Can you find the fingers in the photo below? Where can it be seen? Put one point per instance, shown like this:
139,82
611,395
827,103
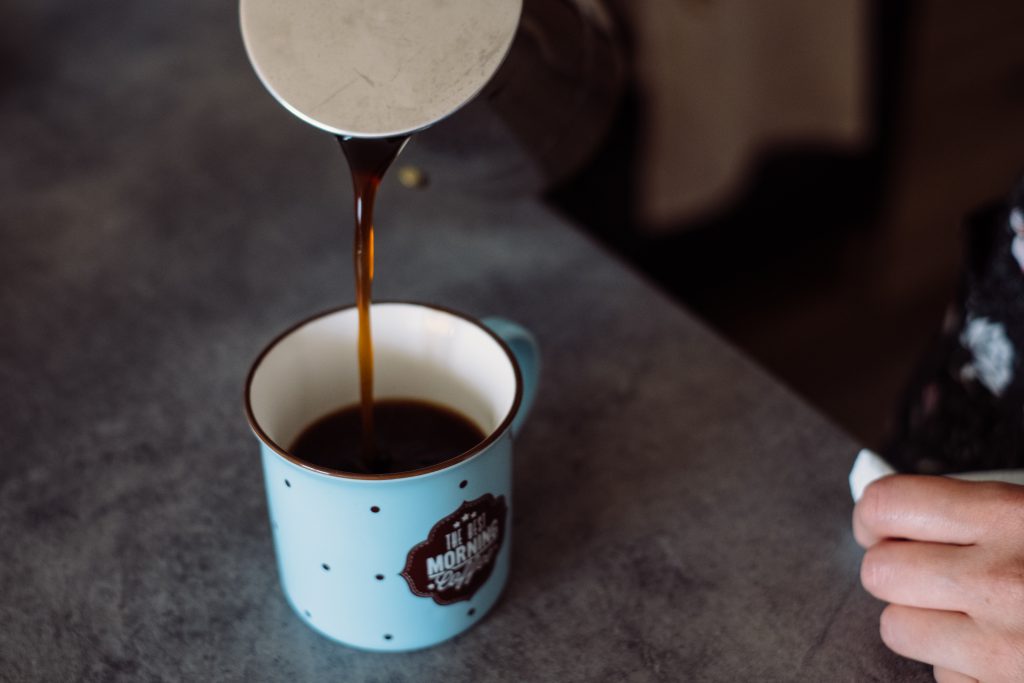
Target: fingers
935,509
925,575
947,640
949,556
947,676
971,579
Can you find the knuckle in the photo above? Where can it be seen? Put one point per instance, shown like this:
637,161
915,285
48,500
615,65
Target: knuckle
873,569
859,533
874,500
1006,504
1002,585
1008,496
889,628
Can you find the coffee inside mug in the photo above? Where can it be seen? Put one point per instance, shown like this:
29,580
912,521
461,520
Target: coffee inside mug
421,353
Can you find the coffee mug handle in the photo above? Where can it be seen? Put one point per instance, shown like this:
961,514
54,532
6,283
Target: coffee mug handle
524,348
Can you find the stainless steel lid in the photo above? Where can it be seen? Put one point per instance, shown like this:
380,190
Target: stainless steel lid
376,68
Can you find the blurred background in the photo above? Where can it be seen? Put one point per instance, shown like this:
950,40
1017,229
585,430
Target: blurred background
796,172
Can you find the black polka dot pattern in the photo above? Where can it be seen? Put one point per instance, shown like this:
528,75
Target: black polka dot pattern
380,577
287,483
462,484
388,636
326,567
374,509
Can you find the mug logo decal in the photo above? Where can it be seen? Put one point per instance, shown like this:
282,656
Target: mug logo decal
459,553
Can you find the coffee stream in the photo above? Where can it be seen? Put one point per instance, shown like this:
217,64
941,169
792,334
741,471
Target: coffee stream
368,160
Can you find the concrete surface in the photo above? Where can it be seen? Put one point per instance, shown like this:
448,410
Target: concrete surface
679,514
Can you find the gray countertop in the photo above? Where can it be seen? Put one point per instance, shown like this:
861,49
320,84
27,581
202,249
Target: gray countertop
680,515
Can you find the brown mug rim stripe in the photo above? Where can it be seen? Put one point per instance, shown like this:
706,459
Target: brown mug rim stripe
492,437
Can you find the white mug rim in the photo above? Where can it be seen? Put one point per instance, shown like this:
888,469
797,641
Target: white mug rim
492,437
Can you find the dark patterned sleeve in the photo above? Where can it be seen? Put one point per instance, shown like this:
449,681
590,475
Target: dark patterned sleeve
963,408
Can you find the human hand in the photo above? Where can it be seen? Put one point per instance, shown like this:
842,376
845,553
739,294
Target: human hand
949,557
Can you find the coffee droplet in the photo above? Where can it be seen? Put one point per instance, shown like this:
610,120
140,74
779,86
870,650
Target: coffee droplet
412,177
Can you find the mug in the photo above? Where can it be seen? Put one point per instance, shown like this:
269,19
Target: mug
405,560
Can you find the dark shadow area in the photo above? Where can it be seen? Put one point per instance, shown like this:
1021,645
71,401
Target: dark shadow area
832,268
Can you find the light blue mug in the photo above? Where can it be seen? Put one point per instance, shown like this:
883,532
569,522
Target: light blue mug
399,561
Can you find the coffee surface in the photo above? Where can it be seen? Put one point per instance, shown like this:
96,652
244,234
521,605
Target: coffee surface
409,435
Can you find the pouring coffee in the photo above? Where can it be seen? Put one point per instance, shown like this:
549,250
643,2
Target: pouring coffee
373,73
